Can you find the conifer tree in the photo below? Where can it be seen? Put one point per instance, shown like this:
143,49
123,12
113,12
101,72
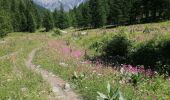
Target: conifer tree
5,25
63,21
31,27
114,12
23,23
86,17
56,18
79,16
48,21
15,16
98,14
73,18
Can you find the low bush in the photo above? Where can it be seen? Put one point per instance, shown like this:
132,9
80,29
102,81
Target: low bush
145,54
153,54
164,50
56,32
119,45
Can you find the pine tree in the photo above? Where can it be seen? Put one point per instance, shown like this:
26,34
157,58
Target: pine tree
23,23
79,16
114,12
56,18
63,21
5,25
31,27
86,16
16,21
73,18
98,14
48,21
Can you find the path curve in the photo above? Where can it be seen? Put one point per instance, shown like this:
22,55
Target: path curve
55,82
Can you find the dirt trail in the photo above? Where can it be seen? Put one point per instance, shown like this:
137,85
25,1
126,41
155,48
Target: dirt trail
56,83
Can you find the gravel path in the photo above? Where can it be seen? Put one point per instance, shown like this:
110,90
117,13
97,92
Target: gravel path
59,87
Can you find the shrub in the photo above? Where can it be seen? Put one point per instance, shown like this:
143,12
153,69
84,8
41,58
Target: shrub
56,32
164,50
164,63
145,54
118,46
154,53
97,45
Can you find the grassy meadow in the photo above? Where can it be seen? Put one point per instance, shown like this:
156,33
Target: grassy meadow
89,77
70,55
17,81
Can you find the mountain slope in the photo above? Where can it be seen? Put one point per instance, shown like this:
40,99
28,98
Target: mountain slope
53,4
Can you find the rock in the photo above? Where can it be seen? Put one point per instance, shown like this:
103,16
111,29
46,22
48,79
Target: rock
63,64
56,90
67,86
83,33
122,70
24,89
64,32
38,66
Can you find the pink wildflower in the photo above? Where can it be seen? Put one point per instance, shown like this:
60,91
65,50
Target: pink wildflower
66,50
77,54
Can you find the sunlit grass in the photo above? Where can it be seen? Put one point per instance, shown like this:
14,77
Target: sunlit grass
17,81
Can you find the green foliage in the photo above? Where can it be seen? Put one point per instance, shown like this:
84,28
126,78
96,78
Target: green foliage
155,87
31,27
19,82
5,25
56,32
118,46
97,9
96,13
77,79
22,15
63,21
154,53
111,94
146,54
48,21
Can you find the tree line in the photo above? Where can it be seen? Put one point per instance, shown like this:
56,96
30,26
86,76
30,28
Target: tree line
25,16
97,13
19,16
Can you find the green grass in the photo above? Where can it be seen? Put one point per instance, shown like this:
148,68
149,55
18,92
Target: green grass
96,78
17,81
93,82
15,76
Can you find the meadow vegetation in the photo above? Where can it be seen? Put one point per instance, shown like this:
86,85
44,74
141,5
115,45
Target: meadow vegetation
17,81
90,61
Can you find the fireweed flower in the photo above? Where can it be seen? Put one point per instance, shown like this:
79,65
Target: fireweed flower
77,54
66,50
137,69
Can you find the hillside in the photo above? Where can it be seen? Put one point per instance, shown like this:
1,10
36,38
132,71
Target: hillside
32,64
99,50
